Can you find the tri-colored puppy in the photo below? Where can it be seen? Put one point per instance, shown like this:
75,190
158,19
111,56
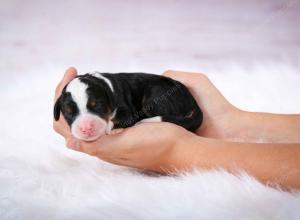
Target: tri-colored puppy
95,103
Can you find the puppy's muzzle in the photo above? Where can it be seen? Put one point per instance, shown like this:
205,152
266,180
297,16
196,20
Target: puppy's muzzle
88,127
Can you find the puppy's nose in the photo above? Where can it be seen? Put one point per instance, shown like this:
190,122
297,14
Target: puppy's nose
87,128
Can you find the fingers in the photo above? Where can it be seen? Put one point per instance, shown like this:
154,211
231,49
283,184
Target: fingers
180,76
70,74
187,78
104,142
103,145
174,73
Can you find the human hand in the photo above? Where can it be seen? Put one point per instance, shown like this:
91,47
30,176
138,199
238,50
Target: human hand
61,125
147,146
219,116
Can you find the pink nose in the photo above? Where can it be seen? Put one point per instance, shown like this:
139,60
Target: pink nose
87,128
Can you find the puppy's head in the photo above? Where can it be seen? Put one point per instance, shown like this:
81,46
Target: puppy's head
87,105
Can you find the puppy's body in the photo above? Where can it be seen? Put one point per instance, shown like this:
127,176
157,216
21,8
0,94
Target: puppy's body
120,100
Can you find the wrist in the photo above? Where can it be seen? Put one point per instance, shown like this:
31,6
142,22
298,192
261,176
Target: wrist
185,154
248,127
231,125
241,125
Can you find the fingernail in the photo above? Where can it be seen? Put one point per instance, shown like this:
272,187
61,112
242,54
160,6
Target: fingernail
73,143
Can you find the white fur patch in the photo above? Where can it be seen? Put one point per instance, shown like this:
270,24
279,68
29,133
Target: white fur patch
100,123
100,76
78,93
153,119
110,124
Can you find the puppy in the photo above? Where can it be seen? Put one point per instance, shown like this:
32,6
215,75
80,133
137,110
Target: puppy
95,103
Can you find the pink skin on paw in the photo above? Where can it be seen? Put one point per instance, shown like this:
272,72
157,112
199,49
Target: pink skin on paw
88,127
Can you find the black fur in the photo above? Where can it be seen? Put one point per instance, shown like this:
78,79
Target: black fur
136,96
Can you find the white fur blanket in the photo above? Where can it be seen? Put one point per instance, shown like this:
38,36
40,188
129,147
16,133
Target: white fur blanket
41,179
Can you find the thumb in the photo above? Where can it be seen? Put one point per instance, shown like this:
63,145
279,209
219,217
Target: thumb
70,74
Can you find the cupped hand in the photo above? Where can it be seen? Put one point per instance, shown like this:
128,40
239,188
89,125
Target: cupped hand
219,116
147,146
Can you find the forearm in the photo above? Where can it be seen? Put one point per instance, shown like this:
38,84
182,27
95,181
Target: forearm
270,163
268,128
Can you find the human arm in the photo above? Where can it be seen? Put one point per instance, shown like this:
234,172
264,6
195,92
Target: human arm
269,128
271,163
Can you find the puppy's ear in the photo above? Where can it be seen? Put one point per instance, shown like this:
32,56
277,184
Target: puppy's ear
57,108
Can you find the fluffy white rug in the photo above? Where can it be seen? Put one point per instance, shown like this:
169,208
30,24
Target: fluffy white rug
41,179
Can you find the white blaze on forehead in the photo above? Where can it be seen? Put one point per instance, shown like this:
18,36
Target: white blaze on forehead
100,76
78,93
